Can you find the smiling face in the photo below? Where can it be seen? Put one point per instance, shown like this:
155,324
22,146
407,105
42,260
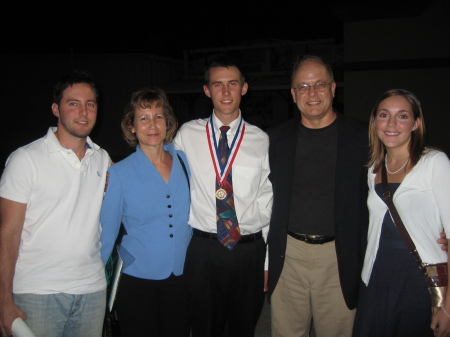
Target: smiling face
225,89
394,122
316,108
150,126
77,111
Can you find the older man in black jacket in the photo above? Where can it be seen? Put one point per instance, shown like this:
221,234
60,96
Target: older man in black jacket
318,229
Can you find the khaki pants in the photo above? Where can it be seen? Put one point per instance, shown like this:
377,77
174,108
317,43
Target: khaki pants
309,288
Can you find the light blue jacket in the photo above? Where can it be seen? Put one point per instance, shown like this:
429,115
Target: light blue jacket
155,216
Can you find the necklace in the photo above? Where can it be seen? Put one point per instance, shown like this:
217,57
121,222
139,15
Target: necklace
385,164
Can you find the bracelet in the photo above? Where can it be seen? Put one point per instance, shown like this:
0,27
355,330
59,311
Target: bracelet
443,309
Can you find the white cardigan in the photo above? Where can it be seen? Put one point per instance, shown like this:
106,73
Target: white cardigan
423,203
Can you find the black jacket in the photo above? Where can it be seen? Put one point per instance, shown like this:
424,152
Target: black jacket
350,214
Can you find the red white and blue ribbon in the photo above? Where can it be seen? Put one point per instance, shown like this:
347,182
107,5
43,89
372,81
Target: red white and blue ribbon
222,170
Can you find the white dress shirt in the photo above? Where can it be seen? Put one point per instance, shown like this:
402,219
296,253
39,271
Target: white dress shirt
423,203
251,186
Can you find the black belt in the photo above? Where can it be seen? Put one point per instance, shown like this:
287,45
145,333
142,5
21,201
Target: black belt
244,238
312,239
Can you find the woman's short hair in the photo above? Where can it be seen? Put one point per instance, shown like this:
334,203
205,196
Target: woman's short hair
147,98
417,143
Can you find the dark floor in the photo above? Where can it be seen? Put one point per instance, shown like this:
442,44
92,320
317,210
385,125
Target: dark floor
263,326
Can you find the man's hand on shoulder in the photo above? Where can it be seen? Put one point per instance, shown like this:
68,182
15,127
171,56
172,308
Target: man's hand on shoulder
443,241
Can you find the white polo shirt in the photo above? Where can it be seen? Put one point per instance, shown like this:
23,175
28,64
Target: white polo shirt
59,248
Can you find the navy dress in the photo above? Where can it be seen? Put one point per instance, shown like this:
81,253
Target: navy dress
396,302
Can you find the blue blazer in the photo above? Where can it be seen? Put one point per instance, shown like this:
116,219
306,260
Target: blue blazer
155,216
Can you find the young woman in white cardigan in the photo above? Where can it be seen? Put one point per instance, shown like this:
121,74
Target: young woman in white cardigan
394,299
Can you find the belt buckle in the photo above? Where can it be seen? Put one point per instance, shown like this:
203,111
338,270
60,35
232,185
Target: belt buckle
313,239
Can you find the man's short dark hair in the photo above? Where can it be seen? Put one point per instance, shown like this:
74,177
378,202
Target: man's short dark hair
75,77
225,62
299,62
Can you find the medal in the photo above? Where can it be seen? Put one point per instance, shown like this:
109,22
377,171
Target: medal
221,194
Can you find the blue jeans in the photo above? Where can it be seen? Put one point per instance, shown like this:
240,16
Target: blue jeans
64,315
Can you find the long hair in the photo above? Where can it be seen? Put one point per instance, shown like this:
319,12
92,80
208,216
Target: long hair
417,142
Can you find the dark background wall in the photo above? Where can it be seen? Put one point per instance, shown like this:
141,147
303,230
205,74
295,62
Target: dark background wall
26,85
382,48
409,52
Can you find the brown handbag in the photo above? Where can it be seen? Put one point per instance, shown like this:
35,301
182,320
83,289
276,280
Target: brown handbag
436,274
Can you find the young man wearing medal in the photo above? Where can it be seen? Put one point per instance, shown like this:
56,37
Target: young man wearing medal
231,201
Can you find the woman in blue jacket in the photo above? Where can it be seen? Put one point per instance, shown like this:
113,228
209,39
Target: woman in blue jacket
149,193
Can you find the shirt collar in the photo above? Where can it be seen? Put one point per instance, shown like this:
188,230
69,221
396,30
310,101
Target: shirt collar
55,146
233,125
167,147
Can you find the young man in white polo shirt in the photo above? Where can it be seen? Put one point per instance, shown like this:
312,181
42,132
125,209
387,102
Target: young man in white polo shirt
51,190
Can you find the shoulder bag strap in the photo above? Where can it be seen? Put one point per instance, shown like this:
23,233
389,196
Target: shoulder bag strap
397,220
184,169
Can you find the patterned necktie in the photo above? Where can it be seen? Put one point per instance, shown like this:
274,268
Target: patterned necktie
227,224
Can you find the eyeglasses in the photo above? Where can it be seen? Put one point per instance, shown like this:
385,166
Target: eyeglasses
318,87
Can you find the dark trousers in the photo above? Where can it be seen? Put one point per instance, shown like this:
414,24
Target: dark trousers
225,288
152,307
